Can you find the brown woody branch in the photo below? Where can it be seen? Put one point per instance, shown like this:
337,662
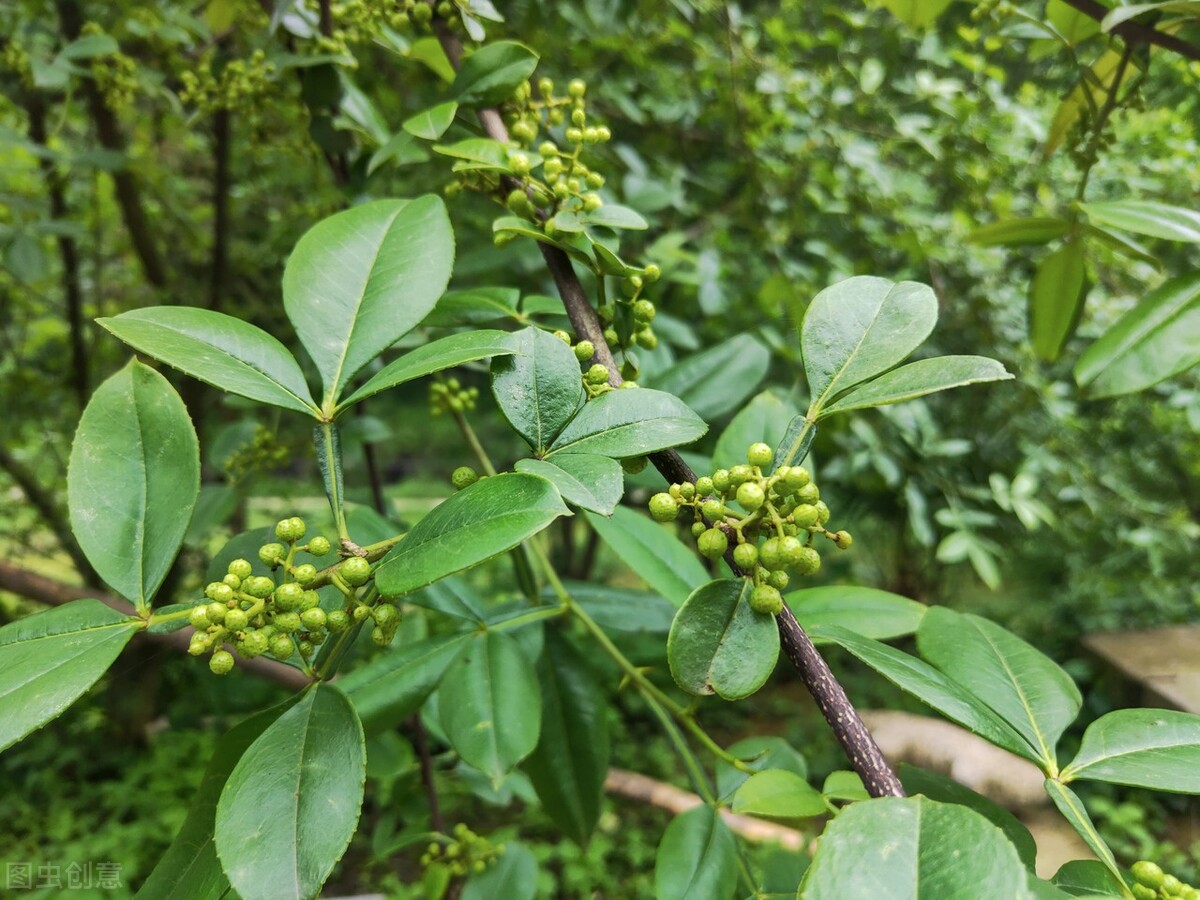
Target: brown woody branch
1135,32
830,696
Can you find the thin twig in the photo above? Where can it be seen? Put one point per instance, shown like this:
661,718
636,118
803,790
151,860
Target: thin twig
1136,33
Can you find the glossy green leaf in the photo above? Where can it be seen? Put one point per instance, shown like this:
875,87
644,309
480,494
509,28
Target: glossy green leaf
629,423
1072,25
393,685
916,379
400,150
539,388
589,481
844,786
1019,232
291,804
760,753
719,378
778,794
1122,243
1073,810
944,789
796,442
764,418
624,609
490,704
570,762
653,551
430,124
48,660
444,353
327,443
190,870
1157,339
929,686
514,876
1088,878
221,350
475,306
361,279
697,858
1020,683
1153,748
1056,297
860,328
491,516
133,480
718,644
490,74
913,848
917,13
613,216
1159,220
1184,8
867,611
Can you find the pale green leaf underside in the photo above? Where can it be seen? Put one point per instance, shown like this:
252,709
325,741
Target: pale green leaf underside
916,379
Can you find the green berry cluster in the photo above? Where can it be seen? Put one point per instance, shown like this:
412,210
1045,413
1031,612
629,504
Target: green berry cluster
780,516
15,59
239,84
449,396
627,320
468,853
262,453
115,74
595,376
1152,883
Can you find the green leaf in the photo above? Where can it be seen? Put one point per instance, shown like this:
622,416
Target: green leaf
653,551
514,876
623,609
716,380
1160,220
796,442
360,280
48,660
539,388
1019,232
1157,339
718,644
591,482
570,762
1020,683
491,74
860,328
428,50
917,13
916,379
490,704
760,753
929,686
474,307
697,858
632,422
1088,878
327,442
430,124
1056,297
1185,8
613,216
190,870
943,789
778,794
400,150
221,350
290,807
1122,244
913,849
485,152
491,516
873,613
133,480
1153,748
394,684
444,353
844,786
1073,810
764,419
90,46
1074,26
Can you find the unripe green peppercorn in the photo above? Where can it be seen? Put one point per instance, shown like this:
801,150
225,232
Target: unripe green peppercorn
634,464
808,561
288,597
687,491
644,310
290,530
822,512
843,540
305,574
750,496
380,637
577,87
233,581
258,586
698,528
766,600
309,599
216,612
720,480
651,272
282,646
1141,892
704,486
221,662
1171,886
810,493
712,509
253,644
313,619
236,619
796,478
198,617
584,351
805,515
199,643
778,579
464,477
712,543
740,474
219,592
646,339
760,455
597,374
360,613
355,571
745,555
791,550
318,546
241,568
288,622
663,508
386,615
1148,873
770,554
271,554
337,621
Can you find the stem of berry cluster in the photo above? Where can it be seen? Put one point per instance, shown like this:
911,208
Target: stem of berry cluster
864,754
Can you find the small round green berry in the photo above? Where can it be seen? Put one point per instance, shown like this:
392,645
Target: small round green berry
651,272
745,555
597,374
687,491
577,88
1171,886
574,135
712,543
698,528
282,646
805,515
760,455
288,597
1148,873
318,546
236,620
253,644
355,571
258,586
704,486
712,509
290,530
233,581
808,561
663,508
386,615
380,637
739,474
778,579
198,617
796,478
272,554
287,622
843,540
309,600
646,338
822,512
216,612
305,574
791,550
219,592
241,568
810,493
766,600
337,621
313,619
611,337
199,643
644,311
584,351
1141,892
750,495
306,648
547,149
770,554
720,480
634,464
464,477
221,662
